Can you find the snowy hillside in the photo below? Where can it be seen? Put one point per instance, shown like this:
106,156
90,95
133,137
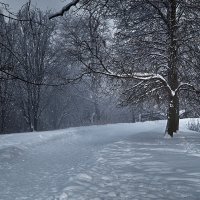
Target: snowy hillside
119,161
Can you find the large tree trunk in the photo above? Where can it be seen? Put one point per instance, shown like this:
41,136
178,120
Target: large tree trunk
173,111
173,116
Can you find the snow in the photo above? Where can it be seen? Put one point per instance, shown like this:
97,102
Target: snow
150,76
119,161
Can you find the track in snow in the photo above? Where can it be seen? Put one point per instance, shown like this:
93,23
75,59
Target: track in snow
122,161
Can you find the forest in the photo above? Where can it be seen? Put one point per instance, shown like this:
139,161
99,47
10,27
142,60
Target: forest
100,100
99,62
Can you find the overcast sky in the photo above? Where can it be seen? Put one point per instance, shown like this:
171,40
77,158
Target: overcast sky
43,4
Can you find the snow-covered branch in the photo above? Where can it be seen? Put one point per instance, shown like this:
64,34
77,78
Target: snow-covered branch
64,9
146,77
138,76
182,85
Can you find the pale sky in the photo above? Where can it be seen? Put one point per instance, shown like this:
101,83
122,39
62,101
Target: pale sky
15,5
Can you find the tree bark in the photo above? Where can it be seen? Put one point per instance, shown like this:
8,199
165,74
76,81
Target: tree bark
173,116
173,112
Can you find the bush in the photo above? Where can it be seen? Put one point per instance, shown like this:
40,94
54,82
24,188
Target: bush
194,125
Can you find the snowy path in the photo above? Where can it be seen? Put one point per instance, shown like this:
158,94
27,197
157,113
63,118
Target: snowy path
122,161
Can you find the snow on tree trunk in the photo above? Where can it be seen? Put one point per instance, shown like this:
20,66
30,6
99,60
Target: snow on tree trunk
173,116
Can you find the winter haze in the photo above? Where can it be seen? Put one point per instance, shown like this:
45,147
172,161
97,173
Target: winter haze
100,100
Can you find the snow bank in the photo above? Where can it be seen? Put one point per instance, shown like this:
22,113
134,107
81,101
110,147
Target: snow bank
13,145
117,161
28,139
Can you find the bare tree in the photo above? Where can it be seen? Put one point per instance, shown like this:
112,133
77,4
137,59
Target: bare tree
34,40
156,47
6,65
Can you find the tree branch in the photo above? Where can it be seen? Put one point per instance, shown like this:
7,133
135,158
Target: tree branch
67,80
182,85
64,9
159,12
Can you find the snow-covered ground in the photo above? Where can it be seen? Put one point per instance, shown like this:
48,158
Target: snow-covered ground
119,161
